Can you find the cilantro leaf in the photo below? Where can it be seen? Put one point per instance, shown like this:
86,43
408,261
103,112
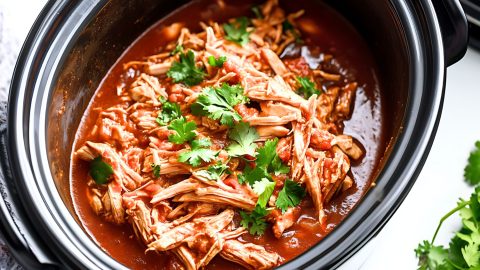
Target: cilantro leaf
186,71
216,62
464,248
251,175
307,87
199,152
290,195
178,49
170,111
268,158
237,31
264,189
100,171
254,221
267,162
217,103
429,256
155,170
243,136
184,130
214,172
472,170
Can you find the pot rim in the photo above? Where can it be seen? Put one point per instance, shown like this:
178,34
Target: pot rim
44,53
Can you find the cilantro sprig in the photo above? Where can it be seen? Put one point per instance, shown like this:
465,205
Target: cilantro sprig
255,221
243,137
184,131
177,49
200,151
217,103
214,172
472,170
186,71
264,189
237,31
216,62
170,111
290,196
100,171
307,87
463,251
267,162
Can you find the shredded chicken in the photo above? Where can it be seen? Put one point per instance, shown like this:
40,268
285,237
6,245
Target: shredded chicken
190,206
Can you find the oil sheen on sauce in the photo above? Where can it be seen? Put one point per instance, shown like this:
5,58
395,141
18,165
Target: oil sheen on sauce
331,34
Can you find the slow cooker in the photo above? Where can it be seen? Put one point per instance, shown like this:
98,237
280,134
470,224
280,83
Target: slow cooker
72,45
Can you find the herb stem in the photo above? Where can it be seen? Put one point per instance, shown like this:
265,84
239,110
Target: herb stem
453,211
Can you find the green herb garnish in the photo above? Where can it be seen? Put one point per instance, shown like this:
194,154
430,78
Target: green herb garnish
216,62
100,171
218,103
186,71
307,87
200,151
237,31
184,131
170,111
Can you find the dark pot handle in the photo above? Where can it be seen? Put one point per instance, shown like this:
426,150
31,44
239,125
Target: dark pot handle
454,27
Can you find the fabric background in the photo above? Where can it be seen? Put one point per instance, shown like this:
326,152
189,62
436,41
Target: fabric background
16,18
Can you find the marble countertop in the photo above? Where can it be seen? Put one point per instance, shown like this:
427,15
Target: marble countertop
436,191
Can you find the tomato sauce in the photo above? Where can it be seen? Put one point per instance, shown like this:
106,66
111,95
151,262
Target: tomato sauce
330,34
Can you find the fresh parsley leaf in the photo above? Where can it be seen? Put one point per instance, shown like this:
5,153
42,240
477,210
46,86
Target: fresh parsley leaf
268,158
184,130
264,189
257,11
307,87
178,49
254,221
100,171
290,195
214,172
472,170
155,170
237,31
199,152
216,62
170,111
186,71
217,103
243,136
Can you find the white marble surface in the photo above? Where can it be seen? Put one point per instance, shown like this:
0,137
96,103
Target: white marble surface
437,189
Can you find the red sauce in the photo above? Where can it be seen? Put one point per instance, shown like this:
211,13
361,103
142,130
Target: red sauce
324,28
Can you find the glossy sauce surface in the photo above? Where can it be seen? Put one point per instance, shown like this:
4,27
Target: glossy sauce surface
325,31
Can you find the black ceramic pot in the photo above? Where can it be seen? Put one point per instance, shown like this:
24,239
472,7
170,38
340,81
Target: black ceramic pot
73,44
